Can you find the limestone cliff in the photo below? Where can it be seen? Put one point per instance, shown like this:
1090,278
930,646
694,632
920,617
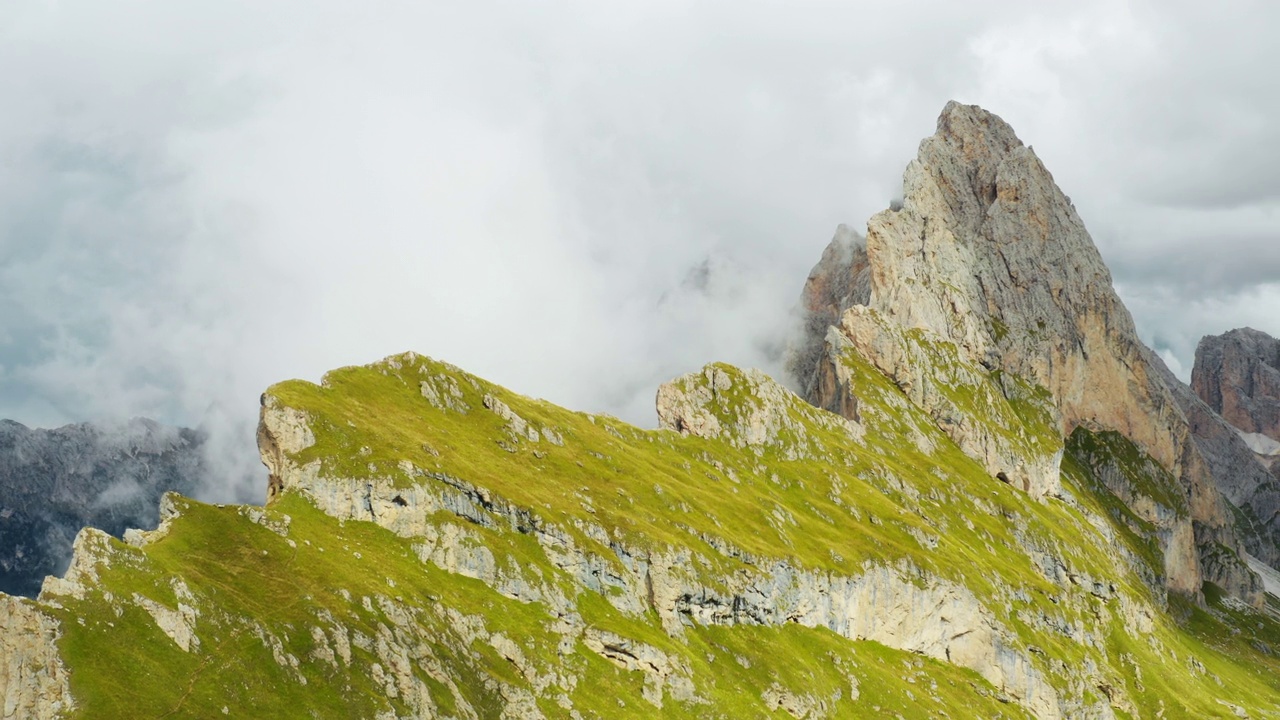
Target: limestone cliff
840,280
1244,481
1237,374
33,680
988,254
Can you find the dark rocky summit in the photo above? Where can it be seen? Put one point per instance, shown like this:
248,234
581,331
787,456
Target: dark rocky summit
840,280
1237,374
1244,481
1233,404
55,482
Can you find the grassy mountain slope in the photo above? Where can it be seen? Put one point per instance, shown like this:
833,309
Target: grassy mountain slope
441,547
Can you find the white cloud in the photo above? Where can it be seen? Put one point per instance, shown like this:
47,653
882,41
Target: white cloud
200,199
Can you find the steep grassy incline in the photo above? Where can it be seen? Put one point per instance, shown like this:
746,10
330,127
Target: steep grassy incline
437,546
300,615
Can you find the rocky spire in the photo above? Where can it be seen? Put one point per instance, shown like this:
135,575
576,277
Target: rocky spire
988,254
1238,375
840,280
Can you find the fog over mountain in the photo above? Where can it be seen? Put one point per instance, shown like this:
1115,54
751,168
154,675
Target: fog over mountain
109,476
573,200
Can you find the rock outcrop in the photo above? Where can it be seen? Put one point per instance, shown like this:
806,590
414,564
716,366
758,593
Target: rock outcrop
1243,481
840,280
989,254
33,680
986,253
977,413
55,482
1237,374
753,411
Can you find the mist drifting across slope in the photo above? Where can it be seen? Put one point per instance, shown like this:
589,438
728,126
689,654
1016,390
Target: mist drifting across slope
576,201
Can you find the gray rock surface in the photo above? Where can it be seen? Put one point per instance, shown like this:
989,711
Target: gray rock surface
840,280
988,254
1244,481
1237,374
754,412
33,680
963,401
55,482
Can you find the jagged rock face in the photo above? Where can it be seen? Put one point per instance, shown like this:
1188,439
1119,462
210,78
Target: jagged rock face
1144,486
963,401
1237,474
840,280
55,482
754,411
33,680
988,254
1237,374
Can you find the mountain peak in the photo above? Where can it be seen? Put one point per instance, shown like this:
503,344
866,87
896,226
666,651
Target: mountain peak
1238,375
988,256
982,137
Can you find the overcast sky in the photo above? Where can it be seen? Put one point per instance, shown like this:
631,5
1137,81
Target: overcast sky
576,200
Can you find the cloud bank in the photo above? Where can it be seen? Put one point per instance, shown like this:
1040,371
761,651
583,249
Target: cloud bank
575,200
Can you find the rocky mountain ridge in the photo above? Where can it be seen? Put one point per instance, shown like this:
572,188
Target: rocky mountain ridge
987,253
1252,492
107,476
1237,374
438,546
